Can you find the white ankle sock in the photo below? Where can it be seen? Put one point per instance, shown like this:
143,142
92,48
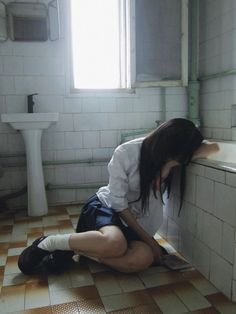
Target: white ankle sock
56,242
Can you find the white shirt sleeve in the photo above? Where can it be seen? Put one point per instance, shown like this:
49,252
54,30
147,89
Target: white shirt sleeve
118,180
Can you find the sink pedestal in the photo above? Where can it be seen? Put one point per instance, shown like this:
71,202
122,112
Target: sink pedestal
31,126
37,200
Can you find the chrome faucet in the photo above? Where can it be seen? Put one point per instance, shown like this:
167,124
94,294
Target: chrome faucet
30,102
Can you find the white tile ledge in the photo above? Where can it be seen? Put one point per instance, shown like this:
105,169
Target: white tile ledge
225,166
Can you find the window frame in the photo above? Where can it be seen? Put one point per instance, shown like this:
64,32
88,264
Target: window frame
131,56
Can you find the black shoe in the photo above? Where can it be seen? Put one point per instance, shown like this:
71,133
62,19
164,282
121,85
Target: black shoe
56,262
31,257
34,260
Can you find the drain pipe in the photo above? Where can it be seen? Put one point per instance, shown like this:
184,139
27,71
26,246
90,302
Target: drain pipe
194,84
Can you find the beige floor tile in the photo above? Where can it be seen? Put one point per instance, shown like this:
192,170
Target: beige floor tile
15,251
160,279
11,265
167,300
62,217
15,279
3,257
18,237
12,299
49,230
125,300
65,230
33,236
59,282
74,209
35,223
190,296
155,290
36,294
106,283
73,294
200,282
49,221
129,282
19,230
16,244
80,276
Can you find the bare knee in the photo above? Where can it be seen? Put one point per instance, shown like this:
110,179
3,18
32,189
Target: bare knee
115,245
139,260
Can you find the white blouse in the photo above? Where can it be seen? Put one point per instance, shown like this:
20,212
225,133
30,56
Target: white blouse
123,188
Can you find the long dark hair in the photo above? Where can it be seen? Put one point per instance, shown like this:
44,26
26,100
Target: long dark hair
176,139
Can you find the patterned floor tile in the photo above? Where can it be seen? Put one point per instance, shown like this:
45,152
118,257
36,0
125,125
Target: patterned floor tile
90,287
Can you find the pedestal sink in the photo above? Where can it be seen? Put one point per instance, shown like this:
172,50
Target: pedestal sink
31,126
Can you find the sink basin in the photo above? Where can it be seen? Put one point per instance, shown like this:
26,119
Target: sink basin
26,121
31,126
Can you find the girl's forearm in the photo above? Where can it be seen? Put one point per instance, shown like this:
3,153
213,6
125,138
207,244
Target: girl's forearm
128,218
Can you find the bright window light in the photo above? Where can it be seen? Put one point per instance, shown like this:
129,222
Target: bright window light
97,44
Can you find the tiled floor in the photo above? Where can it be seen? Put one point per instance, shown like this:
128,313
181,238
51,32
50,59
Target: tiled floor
93,288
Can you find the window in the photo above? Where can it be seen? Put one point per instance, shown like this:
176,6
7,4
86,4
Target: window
99,44
119,44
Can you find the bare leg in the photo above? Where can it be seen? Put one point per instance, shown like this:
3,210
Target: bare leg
138,257
108,241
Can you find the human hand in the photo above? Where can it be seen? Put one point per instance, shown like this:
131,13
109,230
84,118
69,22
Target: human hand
206,149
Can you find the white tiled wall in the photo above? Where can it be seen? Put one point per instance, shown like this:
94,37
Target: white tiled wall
90,125
217,54
205,231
